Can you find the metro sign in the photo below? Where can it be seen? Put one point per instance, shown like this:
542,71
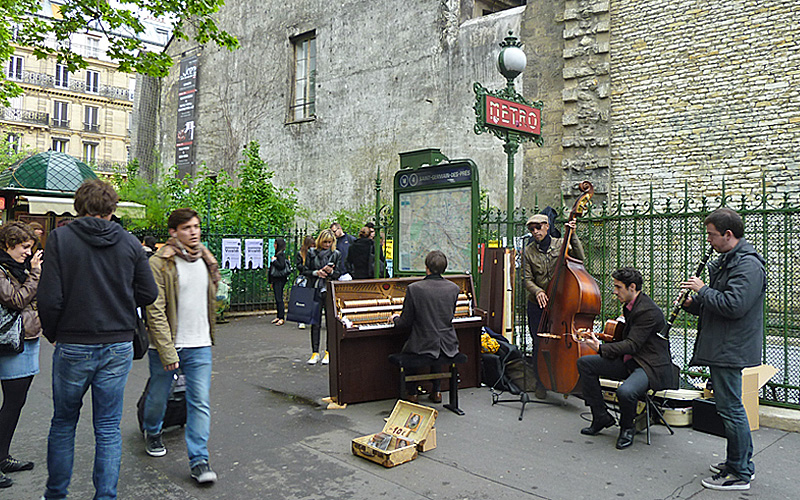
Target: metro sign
513,115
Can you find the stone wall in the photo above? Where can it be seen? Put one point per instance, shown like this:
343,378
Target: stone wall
704,91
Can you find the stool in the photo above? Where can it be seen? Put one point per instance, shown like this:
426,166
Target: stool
415,361
651,406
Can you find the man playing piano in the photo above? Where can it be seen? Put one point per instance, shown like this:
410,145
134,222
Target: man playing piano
640,359
428,309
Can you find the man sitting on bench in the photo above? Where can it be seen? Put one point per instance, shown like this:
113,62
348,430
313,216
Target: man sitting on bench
428,309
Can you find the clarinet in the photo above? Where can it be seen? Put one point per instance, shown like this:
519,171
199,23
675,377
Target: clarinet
683,296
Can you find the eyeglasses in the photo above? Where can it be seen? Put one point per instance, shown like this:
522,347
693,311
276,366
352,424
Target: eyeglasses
534,227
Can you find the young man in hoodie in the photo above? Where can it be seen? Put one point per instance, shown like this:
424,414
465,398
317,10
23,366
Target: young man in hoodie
730,337
94,276
181,325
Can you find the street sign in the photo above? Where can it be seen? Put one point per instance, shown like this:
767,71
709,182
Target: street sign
512,115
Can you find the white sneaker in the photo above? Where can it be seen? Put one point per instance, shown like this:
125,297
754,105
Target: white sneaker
325,359
313,359
301,326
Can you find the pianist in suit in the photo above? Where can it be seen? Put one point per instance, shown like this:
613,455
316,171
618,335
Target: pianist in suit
428,310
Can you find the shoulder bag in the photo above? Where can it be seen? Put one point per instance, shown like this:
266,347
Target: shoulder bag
12,334
141,339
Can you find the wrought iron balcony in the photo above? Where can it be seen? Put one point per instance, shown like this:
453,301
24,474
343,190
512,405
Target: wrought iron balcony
91,127
24,116
60,123
49,81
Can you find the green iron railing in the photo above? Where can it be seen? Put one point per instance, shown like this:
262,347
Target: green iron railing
665,240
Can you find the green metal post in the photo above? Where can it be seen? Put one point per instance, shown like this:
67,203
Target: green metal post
511,147
378,225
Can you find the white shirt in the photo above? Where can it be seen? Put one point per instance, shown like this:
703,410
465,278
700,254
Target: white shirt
193,327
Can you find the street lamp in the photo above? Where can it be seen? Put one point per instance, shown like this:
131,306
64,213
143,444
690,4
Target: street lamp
508,115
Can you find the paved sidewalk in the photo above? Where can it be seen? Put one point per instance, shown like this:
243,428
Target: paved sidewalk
271,438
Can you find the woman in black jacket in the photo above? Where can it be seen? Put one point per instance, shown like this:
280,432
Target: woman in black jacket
279,271
361,256
323,264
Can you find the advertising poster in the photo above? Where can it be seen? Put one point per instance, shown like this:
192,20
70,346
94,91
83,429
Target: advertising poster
254,253
231,253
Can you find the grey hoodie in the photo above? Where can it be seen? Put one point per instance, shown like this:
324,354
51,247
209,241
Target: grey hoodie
731,310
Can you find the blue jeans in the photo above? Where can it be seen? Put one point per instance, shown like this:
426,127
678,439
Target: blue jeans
76,367
727,383
195,363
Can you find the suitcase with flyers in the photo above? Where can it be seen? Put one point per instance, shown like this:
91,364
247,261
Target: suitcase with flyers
175,415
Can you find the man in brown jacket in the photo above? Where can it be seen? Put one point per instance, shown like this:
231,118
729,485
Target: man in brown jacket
539,259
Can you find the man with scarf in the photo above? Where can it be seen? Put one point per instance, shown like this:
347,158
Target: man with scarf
539,259
181,325
94,276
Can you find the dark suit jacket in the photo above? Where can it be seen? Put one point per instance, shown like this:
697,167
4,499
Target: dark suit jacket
428,309
640,339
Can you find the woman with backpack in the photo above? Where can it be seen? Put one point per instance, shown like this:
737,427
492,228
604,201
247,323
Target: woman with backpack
279,271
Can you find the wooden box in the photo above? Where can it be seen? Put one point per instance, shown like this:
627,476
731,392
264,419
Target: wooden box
407,431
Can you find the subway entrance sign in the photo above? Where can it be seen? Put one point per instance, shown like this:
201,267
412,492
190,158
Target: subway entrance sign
512,115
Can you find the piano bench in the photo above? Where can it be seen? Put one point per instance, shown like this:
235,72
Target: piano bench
414,362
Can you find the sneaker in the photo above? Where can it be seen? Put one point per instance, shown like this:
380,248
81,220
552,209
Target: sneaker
301,326
202,473
313,359
5,481
721,467
725,482
10,464
153,445
326,359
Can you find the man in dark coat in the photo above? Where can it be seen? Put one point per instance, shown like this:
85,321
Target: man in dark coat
641,359
428,309
730,337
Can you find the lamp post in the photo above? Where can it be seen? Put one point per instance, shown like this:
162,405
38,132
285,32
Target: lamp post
508,115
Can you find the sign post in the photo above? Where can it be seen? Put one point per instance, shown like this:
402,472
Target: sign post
509,116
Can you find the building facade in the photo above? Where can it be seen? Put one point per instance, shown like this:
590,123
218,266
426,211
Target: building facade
638,95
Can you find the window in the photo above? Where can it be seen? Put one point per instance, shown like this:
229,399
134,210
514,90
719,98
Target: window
89,152
60,116
93,48
305,77
15,102
14,68
60,145
13,142
90,119
92,81
62,76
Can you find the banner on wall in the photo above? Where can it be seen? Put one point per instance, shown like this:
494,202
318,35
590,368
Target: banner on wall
187,103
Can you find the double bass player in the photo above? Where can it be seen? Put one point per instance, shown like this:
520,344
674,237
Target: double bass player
539,259
640,358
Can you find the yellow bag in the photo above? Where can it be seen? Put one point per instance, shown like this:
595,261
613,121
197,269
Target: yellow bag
488,344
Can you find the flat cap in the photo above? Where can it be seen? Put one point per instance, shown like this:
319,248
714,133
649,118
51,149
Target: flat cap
538,219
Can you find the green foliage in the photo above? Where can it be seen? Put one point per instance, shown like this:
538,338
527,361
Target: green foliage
8,156
119,23
252,206
353,220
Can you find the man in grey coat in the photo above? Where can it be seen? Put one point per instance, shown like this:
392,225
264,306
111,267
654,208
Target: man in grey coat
428,309
730,337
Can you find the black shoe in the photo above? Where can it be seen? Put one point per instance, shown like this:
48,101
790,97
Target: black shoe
598,424
10,464
202,473
153,445
625,438
5,481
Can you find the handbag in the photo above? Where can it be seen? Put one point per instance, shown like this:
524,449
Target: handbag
141,339
304,305
11,331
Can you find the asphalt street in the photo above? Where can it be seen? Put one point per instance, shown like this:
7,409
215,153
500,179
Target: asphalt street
273,438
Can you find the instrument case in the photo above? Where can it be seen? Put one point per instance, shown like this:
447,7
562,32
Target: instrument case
675,404
407,431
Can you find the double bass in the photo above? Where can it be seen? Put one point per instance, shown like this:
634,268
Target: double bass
573,301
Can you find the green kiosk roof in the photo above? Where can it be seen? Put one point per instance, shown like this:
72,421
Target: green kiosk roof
51,171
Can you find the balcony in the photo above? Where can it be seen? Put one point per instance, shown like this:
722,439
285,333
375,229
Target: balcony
49,81
24,116
60,123
91,127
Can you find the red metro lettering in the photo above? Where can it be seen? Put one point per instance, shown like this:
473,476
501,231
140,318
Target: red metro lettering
512,115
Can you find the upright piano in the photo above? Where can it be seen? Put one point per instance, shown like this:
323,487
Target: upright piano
360,337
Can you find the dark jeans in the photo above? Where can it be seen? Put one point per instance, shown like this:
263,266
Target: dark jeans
727,384
15,392
634,387
277,287
317,326
534,316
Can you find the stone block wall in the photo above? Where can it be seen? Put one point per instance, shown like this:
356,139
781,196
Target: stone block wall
704,91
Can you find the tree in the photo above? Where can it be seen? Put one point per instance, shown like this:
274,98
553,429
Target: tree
119,20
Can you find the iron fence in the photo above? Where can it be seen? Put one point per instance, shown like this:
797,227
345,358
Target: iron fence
665,240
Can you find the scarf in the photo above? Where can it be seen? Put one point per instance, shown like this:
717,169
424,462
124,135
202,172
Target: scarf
544,245
18,270
191,254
